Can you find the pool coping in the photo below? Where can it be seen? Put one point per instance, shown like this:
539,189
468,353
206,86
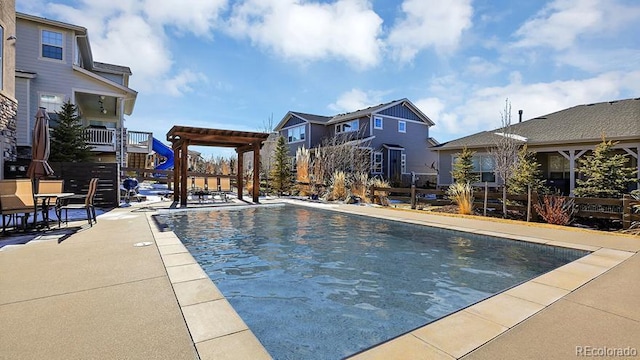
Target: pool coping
218,331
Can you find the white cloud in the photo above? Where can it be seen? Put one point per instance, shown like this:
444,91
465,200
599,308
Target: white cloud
481,109
478,66
356,99
429,23
301,30
561,23
181,83
133,33
196,16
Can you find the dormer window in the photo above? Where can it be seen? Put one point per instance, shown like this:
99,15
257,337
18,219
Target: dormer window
353,125
52,44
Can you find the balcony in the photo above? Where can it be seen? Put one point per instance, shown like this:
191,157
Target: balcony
100,139
139,142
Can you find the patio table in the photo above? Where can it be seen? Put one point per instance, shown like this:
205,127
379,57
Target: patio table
46,203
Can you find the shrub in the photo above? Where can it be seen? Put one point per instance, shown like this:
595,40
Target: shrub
338,186
359,185
381,197
462,195
557,210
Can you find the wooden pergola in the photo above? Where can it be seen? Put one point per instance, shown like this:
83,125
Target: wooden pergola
183,136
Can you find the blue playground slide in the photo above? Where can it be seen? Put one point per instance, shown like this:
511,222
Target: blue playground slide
165,151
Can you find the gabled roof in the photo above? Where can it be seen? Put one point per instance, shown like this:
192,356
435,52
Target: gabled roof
111,68
325,120
616,120
379,108
317,119
364,112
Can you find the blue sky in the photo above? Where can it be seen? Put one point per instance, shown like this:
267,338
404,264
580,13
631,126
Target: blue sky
235,64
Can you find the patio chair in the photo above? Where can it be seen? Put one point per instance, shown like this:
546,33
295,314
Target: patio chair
87,205
224,187
16,197
200,188
50,187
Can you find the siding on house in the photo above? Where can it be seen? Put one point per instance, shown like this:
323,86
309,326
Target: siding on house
400,111
23,128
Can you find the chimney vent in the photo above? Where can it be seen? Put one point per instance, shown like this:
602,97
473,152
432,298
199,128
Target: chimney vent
520,115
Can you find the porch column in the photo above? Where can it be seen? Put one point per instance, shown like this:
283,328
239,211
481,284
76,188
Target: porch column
240,173
572,156
256,172
635,153
184,152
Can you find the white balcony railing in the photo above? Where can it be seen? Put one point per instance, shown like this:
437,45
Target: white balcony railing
101,139
139,142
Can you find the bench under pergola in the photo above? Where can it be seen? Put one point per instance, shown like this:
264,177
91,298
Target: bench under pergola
181,137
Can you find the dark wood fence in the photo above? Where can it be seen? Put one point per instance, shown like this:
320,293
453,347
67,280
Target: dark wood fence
76,178
596,208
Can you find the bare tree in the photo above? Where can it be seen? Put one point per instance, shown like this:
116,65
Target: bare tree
346,152
505,153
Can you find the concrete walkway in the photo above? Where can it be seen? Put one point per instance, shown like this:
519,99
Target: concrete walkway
92,296
97,296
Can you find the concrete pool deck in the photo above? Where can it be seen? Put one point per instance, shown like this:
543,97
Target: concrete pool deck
96,295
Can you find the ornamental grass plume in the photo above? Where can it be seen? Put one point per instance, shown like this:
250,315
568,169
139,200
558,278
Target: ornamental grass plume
303,162
381,196
359,185
339,186
462,195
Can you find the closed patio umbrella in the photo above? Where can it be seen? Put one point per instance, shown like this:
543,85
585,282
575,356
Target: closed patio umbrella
39,167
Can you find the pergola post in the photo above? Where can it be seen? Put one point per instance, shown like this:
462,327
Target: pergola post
240,173
176,172
256,172
184,151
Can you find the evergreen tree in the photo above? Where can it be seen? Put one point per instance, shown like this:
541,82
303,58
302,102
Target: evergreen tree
281,175
526,173
463,168
607,173
67,139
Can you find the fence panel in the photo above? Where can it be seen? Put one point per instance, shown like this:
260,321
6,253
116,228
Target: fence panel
76,178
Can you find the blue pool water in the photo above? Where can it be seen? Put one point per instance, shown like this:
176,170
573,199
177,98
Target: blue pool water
318,284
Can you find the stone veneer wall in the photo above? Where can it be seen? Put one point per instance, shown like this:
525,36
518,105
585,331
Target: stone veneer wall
8,113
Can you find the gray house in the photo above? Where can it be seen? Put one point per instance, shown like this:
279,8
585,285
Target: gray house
54,63
559,140
395,133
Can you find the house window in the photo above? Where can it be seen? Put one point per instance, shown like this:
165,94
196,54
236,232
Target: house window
296,134
1,59
376,163
403,163
402,126
483,167
559,167
51,45
353,125
377,123
52,103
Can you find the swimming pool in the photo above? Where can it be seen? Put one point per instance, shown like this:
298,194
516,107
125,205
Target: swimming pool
321,284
